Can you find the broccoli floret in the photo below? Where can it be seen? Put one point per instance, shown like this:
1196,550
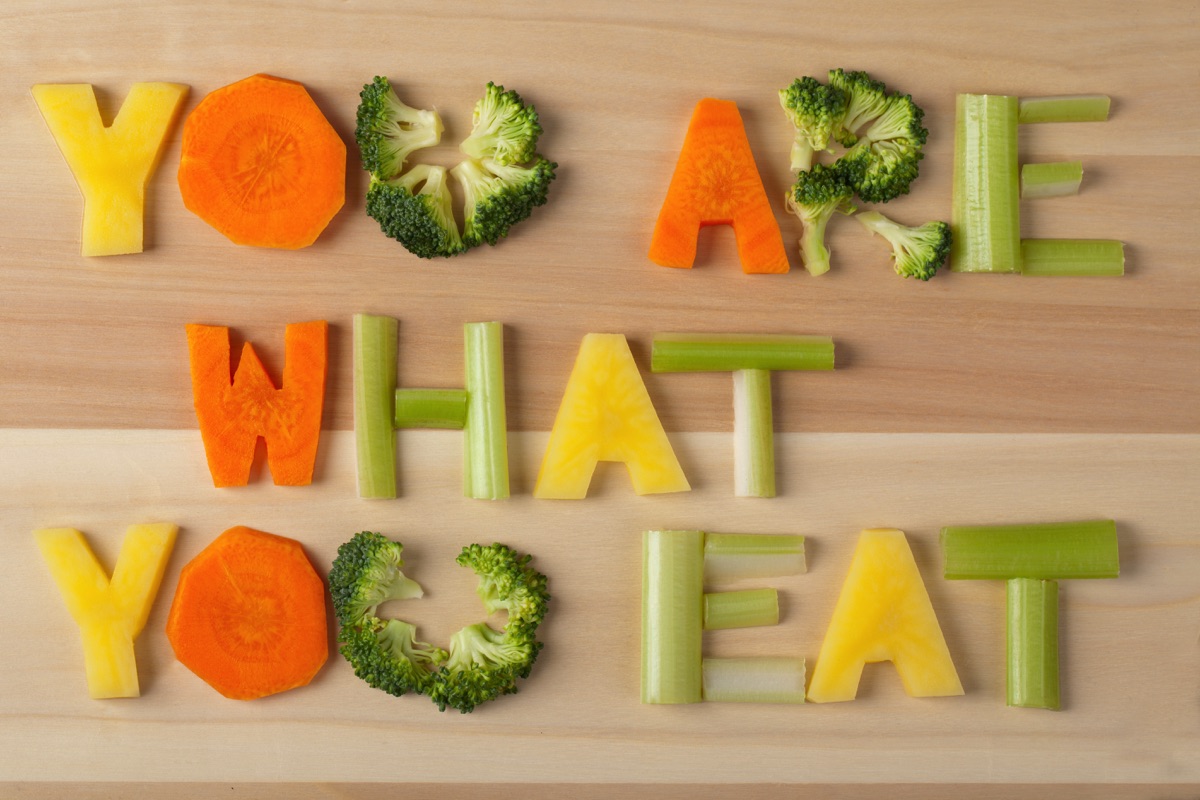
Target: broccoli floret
817,112
504,129
498,196
867,99
917,252
386,654
484,663
365,574
420,219
388,131
814,198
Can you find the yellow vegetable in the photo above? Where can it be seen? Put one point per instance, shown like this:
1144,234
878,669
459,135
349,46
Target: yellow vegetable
110,613
606,415
883,614
111,164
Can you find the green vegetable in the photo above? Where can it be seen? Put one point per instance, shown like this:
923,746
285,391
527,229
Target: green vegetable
485,444
388,131
917,252
748,608
1032,643
738,556
817,111
1057,550
727,352
444,409
753,680
503,128
1080,257
753,434
375,350
499,196
1064,108
814,198
672,616
986,212
416,210
1054,179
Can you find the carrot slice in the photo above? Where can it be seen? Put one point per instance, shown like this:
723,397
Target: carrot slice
249,615
234,414
262,165
717,183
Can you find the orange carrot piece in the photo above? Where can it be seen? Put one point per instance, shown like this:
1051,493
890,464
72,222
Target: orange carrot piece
234,414
249,615
717,183
262,165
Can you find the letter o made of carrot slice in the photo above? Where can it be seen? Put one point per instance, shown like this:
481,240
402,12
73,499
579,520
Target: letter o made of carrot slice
249,615
262,165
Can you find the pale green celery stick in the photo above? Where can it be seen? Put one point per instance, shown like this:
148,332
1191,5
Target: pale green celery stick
753,434
1067,257
750,608
753,680
707,352
485,440
1057,550
1064,108
375,351
738,556
985,220
431,408
1033,643
672,615
1053,179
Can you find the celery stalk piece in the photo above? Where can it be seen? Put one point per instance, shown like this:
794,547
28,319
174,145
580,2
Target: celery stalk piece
738,556
1057,550
375,352
1053,179
753,434
672,616
753,680
444,409
1072,257
485,440
1032,643
706,352
985,220
1064,108
750,608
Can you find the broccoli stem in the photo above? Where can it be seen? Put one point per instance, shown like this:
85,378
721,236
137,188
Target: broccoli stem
1053,179
753,680
738,556
749,608
375,351
672,616
1072,257
813,251
1032,643
985,217
1063,108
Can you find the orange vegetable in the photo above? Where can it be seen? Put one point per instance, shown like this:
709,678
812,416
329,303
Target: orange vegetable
249,615
262,165
717,183
234,414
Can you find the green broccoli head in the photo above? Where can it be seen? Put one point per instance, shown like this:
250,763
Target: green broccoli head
365,574
387,655
504,129
816,111
498,196
814,198
917,252
388,131
416,210
867,99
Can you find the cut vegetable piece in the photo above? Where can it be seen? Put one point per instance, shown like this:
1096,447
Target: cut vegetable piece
672,616
883,614
1064,108
753,680
233,414
444,409
1057,550
110,613
485,435
375,353
708,352
749,608
986,212
1072,257
738,556
262,165
1053,179
249,615
717,183
753,434
607,415
1032,643
111,164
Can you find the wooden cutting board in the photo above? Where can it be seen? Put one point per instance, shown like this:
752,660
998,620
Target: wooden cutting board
967,399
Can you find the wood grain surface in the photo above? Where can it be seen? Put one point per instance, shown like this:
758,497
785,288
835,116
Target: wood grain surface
972,398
